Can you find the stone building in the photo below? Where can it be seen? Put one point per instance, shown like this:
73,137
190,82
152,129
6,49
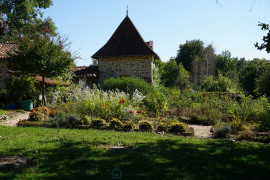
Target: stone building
126,54
5,48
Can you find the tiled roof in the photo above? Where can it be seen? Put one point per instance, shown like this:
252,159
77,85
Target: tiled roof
86,71
126,41
6,48
48,81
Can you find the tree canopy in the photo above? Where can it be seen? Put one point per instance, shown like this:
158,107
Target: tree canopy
40,53
188,51
20,13
266,39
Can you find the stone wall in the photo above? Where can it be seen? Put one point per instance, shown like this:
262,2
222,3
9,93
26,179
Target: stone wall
133,66
3,73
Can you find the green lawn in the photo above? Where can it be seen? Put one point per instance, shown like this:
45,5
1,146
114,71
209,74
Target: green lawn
87,154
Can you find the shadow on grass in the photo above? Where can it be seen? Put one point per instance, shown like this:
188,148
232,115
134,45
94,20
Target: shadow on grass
164,159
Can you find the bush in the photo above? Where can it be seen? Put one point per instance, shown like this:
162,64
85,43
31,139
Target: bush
145,126
4,96
128,126
178,128
128,85
265,120
116,124
99,124
155,102
86,120
72,121
162,127
22,88
40,114
222,132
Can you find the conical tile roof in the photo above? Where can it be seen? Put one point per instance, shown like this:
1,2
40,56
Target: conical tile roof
125,41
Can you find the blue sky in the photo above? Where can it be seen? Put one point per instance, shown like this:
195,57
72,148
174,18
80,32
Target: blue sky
228,26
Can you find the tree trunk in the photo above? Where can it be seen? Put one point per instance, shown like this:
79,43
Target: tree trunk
43,90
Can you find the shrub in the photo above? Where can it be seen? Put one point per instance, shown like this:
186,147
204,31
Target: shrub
3,96
99,124
128,85
265,120
40,114
145,126
155,102
116,124
86,120
222,132
162,127
178,128
128,126
72,121
22,88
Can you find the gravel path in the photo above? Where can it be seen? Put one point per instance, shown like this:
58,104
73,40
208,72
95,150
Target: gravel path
201,131
13,119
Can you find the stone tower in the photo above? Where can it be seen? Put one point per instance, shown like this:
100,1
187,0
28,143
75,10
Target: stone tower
126,54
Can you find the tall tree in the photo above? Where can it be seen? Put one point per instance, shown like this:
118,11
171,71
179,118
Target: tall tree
19,13
266,39
188,51
41,53
169,73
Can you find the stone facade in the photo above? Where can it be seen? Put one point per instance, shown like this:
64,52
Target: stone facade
3,73
133,66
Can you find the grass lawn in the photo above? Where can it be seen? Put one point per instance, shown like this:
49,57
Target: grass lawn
87,154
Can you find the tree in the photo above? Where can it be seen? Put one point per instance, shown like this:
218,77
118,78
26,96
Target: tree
251,72
219,84
41,53
170,73
188,51
19,13
266,39
263,83
182,80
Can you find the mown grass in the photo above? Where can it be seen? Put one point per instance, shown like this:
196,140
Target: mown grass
87,154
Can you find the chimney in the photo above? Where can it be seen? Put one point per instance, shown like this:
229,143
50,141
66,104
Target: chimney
150,44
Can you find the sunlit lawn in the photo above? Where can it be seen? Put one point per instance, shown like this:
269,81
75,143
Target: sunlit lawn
87,154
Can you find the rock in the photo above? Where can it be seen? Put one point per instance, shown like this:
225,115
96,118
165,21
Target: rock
8,163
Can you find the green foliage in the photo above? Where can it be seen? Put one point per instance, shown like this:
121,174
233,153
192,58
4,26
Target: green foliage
116,124
86,120
170,73
145,126
266,39
251,73
155,102
162,127
41,53
223,132
21,13
99,124
220,84
265,120
178,128
156,77
4,96
128,85
22,88
188,51
182,82
263,83
128,126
